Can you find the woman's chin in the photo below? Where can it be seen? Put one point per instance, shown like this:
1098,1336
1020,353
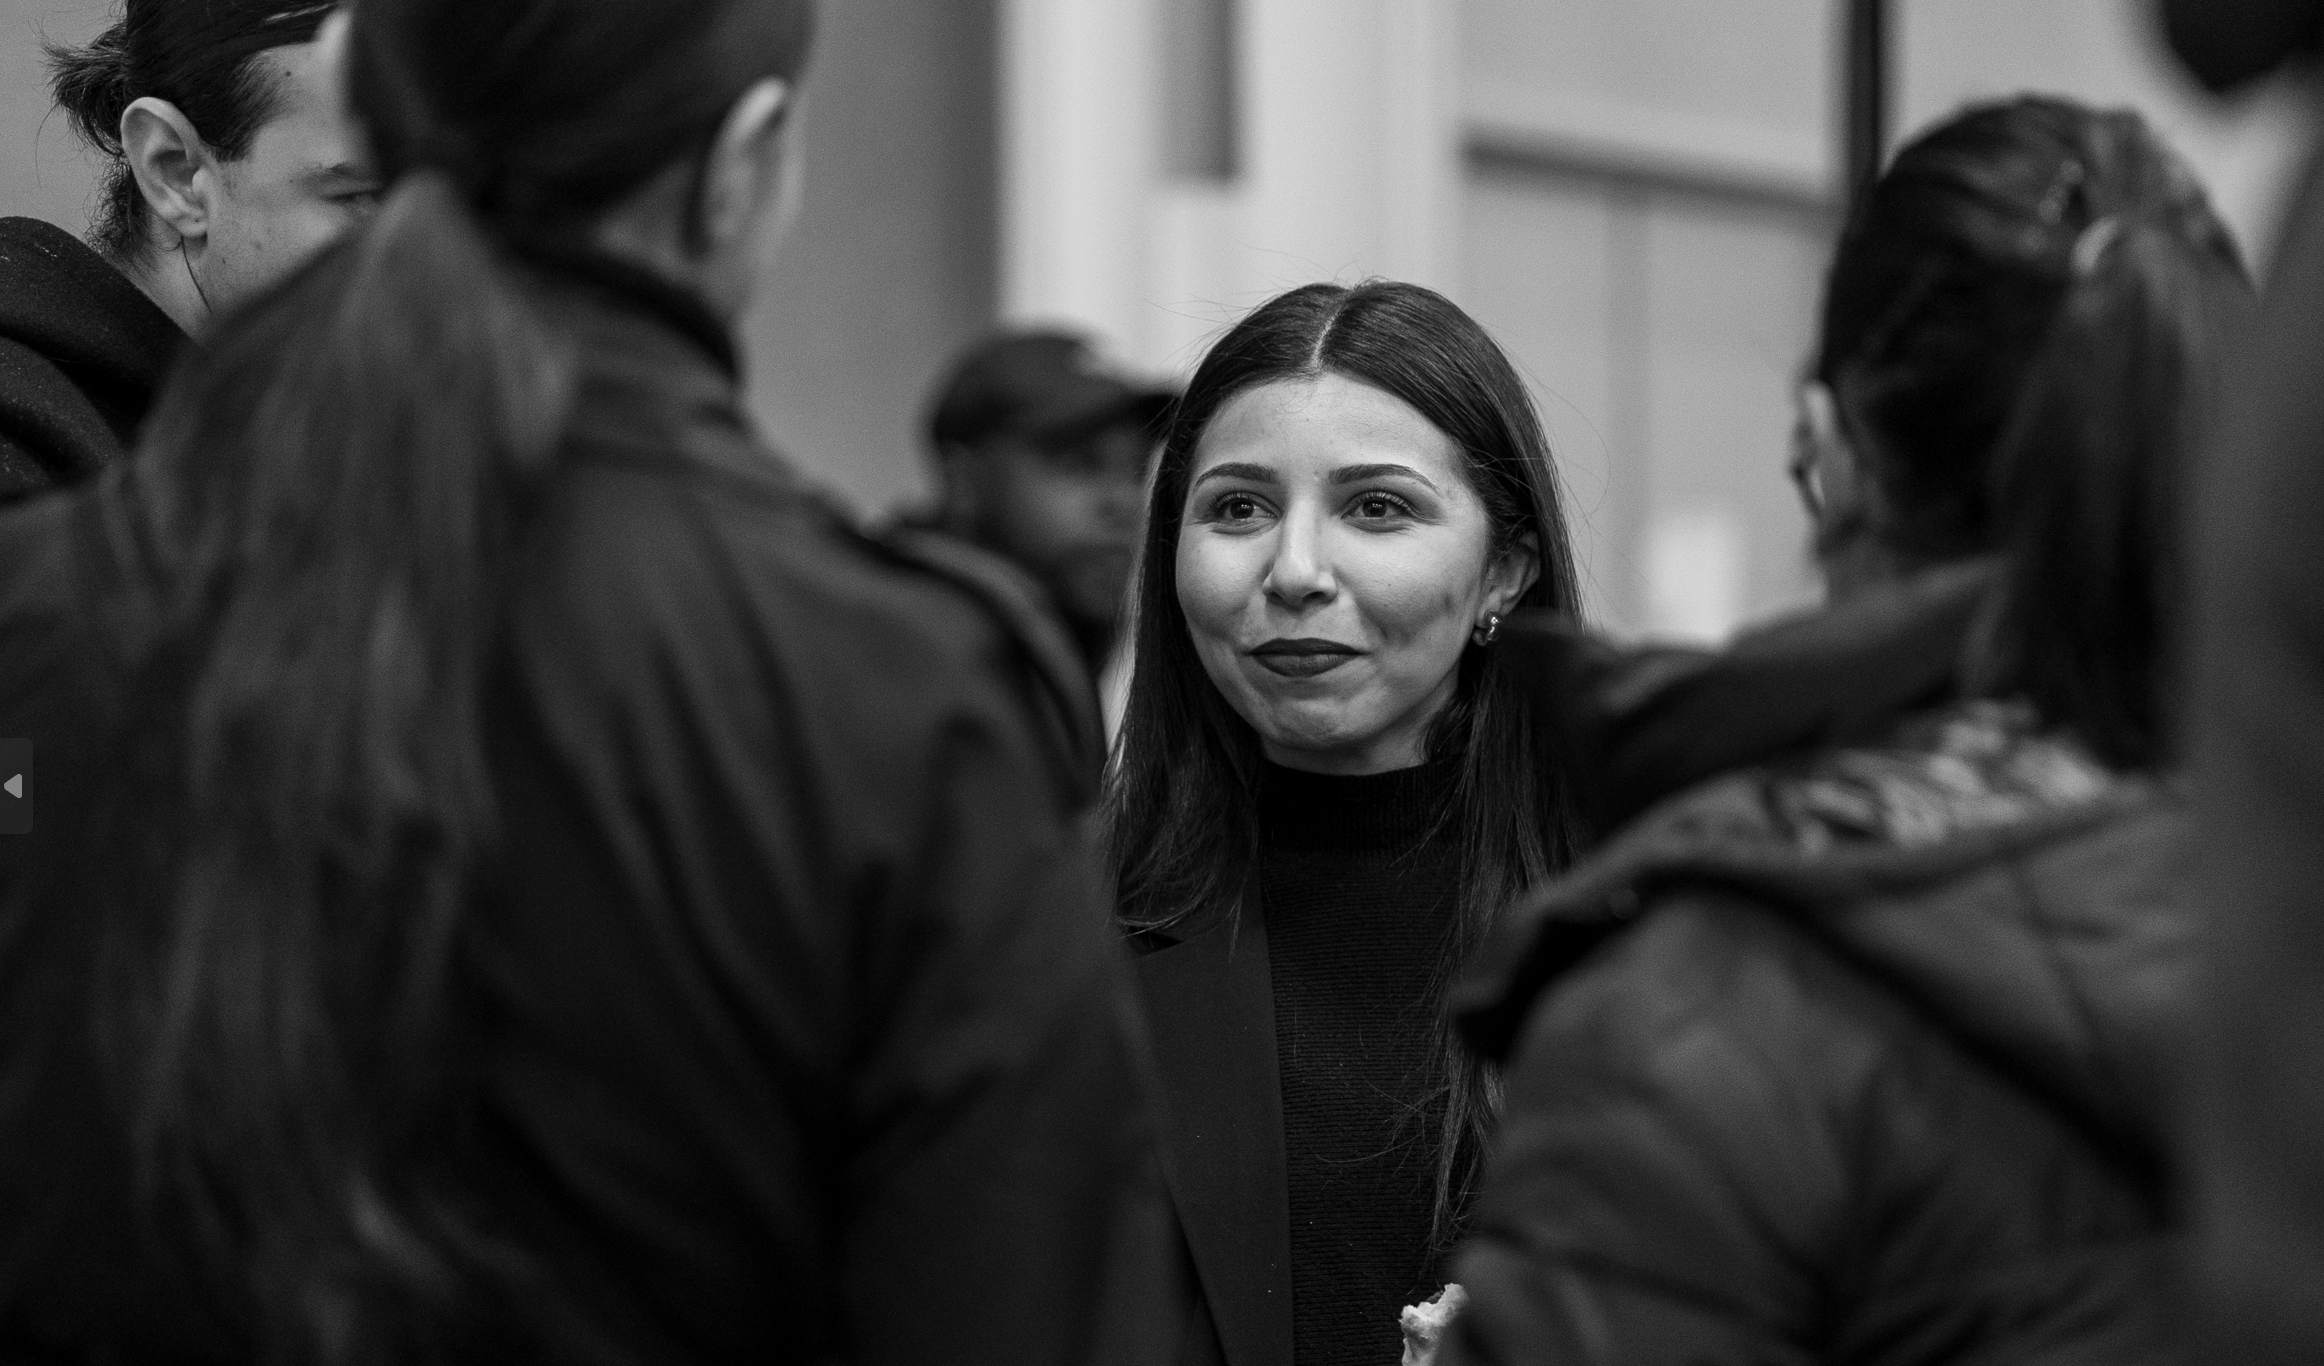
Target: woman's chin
1342,749
1321,729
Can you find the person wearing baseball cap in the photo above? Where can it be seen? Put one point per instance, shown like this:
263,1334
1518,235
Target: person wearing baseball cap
1041,450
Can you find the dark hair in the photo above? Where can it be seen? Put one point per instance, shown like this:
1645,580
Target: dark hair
1181,803
2018,322
330,495
202,58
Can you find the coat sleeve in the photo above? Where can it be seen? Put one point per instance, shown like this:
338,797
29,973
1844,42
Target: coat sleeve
1654,1194
1005,1205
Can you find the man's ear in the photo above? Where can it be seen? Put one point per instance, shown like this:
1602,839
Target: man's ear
1511,574
750,161
172,166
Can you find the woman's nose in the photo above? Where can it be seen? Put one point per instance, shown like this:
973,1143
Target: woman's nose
1299,573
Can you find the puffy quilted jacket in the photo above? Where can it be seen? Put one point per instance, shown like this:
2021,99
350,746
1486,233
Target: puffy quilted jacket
1856,1056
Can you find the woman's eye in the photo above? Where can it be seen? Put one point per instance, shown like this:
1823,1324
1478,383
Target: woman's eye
1379,507
1236,507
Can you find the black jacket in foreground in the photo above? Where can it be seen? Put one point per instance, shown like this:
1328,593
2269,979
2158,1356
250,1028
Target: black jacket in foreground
1852,1054
2255,740
803,1031
82,356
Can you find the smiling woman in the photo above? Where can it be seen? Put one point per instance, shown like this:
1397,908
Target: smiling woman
1334,563
1325,787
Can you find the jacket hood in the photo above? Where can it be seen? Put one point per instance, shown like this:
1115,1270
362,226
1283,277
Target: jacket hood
63,301
2028,900
1633,724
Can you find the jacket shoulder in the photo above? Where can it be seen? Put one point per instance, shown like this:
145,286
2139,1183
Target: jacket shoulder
1057,683
50,431
744,600
1759,1119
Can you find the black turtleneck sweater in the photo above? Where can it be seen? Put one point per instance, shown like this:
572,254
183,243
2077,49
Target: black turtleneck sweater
1356,885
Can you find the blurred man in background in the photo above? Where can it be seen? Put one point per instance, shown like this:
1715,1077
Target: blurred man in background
226,164
1041,451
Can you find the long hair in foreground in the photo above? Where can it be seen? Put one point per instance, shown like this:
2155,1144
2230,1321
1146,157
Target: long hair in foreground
327,503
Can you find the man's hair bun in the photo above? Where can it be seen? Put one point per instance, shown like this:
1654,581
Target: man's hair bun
92,85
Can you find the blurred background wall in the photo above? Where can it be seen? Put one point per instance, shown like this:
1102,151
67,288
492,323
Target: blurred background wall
1635,195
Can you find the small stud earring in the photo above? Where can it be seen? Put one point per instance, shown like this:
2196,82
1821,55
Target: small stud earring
1491,630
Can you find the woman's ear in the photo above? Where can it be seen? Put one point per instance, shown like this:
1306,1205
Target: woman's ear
331,42
751,168
171,165
1512,574
1826,461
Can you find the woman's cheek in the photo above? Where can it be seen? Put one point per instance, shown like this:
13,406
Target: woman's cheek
1411,594
1207,589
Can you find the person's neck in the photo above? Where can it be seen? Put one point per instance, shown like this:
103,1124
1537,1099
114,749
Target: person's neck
647,233
1394,809
162,274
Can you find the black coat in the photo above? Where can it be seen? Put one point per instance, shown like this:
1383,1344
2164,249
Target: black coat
1851,1055
82,357
810,1039
2256,741
1210,1005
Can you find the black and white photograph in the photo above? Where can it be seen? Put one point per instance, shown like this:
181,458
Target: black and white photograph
1162,682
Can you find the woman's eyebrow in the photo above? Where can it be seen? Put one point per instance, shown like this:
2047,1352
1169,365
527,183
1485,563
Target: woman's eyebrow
1357,474
1256,474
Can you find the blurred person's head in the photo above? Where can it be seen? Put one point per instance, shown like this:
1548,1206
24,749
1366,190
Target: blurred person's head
333,494
1351,493
1041,455
2227,43
227,158
2018,329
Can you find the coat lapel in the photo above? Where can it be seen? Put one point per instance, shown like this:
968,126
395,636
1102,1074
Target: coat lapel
1212,1012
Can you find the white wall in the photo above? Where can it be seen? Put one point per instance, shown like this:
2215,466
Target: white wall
894,263
1349,153
43,172
1649,187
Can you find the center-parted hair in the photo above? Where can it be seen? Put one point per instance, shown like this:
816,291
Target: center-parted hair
203,58
1182,799
328,500
2022,321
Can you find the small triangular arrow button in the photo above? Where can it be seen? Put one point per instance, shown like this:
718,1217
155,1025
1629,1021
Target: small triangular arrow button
14,787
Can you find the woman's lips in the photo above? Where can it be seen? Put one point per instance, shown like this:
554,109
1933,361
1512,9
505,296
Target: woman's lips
1302,658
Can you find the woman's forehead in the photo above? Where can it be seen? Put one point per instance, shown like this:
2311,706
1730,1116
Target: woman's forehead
1311,426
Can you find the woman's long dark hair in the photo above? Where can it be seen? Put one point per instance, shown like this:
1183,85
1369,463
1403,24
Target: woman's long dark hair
326,504
2022,323
1181,805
